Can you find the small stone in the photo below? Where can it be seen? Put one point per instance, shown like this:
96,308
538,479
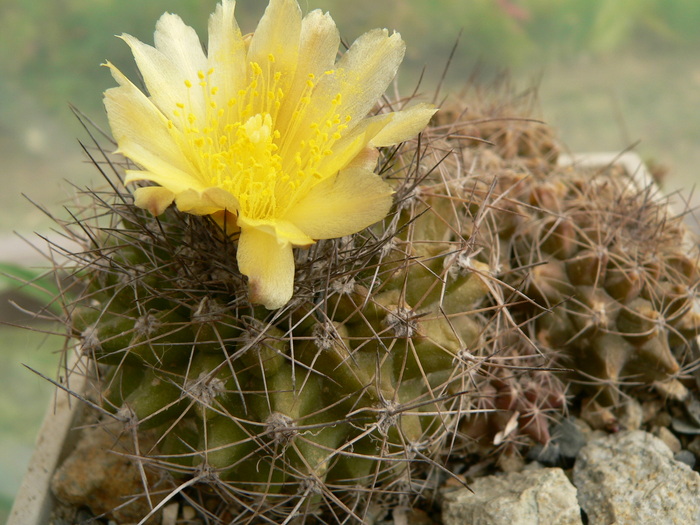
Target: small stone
567,440
662,419
188,513
694,446
510,462
570,438
681,426
598,416
650,409
100,475
685,456
409,516
631,414
548,455
170,513
519,498
456,481
692,407
669,439
631,477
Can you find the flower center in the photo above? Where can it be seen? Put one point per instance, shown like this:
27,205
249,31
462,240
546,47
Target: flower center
243,145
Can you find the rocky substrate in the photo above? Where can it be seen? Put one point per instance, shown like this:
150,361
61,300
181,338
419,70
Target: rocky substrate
625,477
631,477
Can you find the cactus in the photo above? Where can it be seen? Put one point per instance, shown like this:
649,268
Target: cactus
624,275
459,318
611,275
357,383
342,397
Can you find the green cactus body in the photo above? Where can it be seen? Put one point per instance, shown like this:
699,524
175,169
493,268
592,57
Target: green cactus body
351,386
608,275
615,320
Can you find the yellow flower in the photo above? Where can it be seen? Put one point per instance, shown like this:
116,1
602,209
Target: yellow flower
267,134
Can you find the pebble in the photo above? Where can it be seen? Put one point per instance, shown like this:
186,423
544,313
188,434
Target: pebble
681,426
170,513
631,478
669,439
694,446
567,439
518,498
692,408
598,416
631,415
685,456
662,419
408,516
188,513
650,409
99,474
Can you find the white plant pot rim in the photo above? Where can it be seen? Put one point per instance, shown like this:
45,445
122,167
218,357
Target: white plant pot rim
34,500
629,160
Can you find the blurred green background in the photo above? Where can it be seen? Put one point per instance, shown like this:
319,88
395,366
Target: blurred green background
611,73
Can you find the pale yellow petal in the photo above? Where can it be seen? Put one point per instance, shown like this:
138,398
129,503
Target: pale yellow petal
164,81
320,40
226,53
352,144
206,202
361,76
342,205
278,34
226,221
318,50
153,198
157,169
283,230
404,125
366,160
133,117
180,43
269,266
174,186
369,66
381,130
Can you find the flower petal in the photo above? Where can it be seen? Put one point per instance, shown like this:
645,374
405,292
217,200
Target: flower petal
361,76
278,35
283,230
134,118
353,144
342,205
211,200
163,79
153,198
404,125
319,44
157,169
366,160
381,130
269,266
318,50
180,43
226,221
227,53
